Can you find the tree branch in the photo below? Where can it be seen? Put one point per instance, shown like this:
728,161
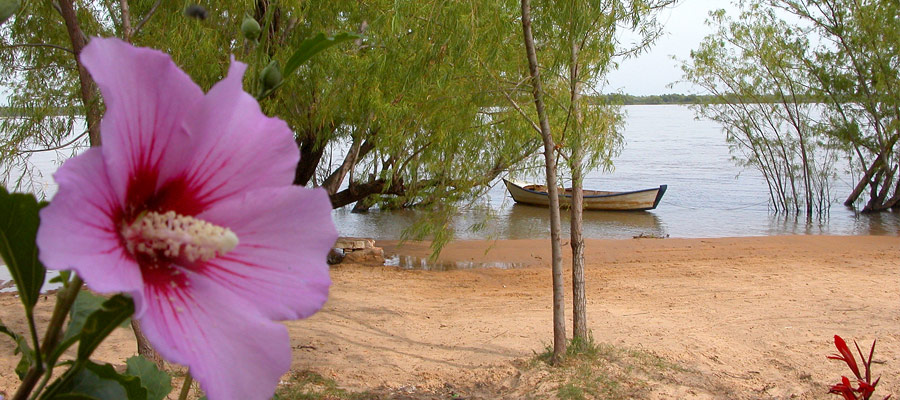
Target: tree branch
52,46
56,147
137,28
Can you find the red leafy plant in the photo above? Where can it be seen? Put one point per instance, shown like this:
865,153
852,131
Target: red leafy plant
865,386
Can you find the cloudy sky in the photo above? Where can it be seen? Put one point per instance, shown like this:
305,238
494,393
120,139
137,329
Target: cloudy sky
684,28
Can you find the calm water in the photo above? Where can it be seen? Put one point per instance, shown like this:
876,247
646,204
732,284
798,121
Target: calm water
708,195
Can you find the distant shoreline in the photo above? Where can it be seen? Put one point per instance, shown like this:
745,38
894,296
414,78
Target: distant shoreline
622,99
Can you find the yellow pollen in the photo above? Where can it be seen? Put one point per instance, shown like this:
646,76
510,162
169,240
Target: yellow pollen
178,237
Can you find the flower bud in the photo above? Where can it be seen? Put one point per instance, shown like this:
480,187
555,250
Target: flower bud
196,11
7,9
250,28
271,76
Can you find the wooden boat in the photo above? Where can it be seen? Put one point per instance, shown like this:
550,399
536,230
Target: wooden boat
646,199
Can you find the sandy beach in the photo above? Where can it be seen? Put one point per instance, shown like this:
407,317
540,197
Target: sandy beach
741,318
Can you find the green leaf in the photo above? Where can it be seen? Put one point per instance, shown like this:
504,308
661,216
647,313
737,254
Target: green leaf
85,304
24,364
28,356
87,383
313,46
62,278
96,381
100,382
7,9
158,383
131,384
74,396
101,323
19,222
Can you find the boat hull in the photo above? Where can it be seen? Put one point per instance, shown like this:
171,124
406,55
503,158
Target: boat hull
638,200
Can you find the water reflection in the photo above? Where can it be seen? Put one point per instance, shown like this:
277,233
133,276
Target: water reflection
510,222
525,222
418,263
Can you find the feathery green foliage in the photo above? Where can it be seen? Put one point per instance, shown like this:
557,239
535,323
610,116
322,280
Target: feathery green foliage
767,67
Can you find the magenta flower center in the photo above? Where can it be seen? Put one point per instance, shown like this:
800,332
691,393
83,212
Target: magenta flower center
170,236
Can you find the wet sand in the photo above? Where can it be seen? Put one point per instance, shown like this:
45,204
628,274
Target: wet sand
749,317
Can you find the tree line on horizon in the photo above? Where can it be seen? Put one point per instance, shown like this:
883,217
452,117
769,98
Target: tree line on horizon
611,98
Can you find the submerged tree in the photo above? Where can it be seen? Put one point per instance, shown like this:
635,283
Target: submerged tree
798,84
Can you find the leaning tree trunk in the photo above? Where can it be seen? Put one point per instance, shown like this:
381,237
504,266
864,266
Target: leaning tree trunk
579,300
88,86
145,349
559,311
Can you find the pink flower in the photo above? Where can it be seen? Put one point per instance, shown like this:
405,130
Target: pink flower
188,207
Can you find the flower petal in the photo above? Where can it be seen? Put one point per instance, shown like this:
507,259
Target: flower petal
233,351
236,147
146,98
284,236
78,231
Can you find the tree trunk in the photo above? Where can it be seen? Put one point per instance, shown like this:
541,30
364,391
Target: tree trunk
579,300
866,179
88,86
559,311
143,345
310,155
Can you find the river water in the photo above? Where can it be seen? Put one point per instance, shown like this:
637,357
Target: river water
708,194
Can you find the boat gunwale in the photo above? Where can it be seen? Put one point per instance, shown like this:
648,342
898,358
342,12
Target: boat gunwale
660,191
660,188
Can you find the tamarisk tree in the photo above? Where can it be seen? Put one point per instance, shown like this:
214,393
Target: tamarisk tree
798,85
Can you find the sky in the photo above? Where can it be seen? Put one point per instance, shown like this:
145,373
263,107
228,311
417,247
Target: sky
652,71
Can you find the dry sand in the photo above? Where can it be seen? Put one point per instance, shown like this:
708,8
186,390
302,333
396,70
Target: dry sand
747,317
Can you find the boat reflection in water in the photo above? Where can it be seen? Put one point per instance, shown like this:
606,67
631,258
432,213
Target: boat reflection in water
529,222
426,264
510,221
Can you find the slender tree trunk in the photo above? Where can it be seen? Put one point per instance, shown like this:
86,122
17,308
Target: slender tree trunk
88,86
559,310
126,20
144,347
579,300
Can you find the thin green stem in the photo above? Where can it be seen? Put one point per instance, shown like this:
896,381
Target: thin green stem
64,300
43,383
31,378
63,303
186,387
29,314
62,382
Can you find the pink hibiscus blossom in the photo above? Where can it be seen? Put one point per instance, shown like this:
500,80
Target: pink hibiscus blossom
188,207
